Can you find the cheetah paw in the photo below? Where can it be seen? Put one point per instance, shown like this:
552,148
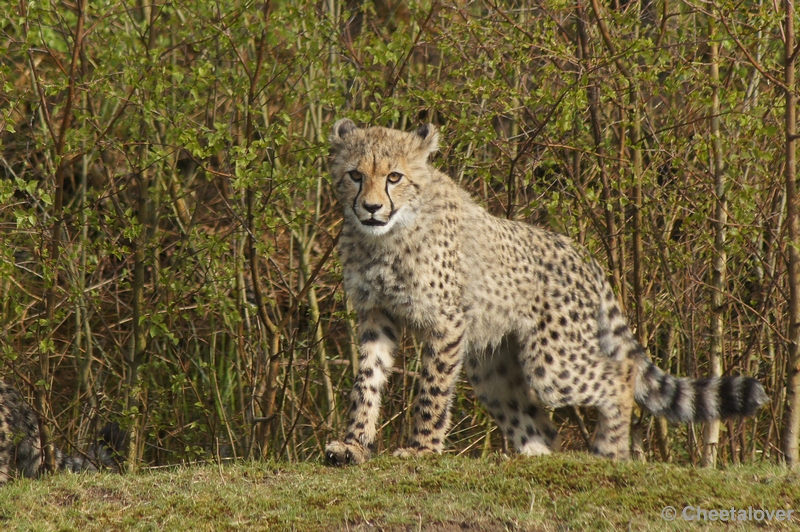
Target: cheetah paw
341,454
409,452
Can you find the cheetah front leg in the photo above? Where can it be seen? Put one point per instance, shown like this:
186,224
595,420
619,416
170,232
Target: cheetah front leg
441,362
378,343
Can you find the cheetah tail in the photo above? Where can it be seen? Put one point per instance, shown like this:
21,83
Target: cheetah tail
696,400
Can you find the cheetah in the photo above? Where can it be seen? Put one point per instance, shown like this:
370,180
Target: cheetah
527,313
20,443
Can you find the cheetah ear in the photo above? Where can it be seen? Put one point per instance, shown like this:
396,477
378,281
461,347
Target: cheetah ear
341,129
428,137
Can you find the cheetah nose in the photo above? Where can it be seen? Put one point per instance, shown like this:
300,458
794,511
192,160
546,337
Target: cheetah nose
371,207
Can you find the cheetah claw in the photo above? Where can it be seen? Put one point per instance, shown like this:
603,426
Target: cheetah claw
340,454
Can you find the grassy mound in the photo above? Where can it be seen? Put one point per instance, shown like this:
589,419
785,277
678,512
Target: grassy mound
562,492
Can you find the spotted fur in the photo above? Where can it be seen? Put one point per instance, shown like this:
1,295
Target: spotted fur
20,444
526,311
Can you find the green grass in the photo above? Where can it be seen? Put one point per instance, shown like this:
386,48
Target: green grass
562,492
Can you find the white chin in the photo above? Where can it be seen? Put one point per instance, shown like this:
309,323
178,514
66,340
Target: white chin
377,230
401,218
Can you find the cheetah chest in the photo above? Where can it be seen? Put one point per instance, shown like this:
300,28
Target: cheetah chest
398,282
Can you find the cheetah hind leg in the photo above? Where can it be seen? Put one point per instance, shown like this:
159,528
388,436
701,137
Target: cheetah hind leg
612,436
500,385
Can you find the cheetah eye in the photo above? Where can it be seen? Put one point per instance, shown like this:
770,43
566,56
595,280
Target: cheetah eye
355,175
395,177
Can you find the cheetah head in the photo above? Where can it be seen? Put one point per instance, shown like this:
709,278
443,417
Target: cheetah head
378,173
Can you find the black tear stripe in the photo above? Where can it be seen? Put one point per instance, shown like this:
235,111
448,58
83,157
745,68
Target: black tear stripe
355,199
391,202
